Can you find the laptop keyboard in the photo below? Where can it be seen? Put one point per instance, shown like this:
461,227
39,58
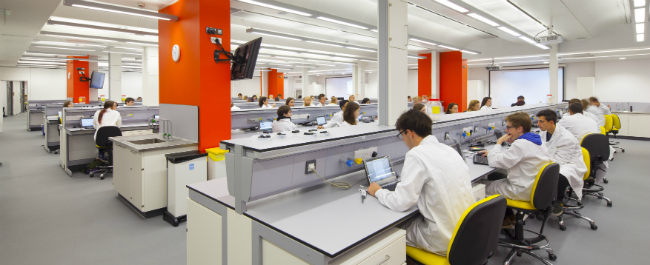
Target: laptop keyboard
390,186
478,159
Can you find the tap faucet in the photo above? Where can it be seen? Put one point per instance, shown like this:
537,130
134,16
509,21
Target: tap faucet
167,129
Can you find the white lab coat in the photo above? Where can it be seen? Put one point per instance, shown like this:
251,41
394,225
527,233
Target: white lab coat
335,121
579,125
110,118
437,180
266,107
605,109
591,116
599,113
523,161
486,107
234,108
565,150
283,125
346,124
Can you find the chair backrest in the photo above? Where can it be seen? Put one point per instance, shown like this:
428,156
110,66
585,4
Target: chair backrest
587,160
603,131
597,145
104,132
617,122
545,187
609,123
477,231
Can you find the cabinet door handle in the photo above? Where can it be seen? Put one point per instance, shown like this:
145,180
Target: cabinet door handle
384,261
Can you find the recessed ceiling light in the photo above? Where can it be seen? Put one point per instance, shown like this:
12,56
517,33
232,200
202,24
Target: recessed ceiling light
277,8
453,6
483,19
622,58
640,28
447,47
341,22
639,15
509,31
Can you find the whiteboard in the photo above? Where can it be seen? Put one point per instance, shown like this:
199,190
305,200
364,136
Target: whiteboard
533,84
338,87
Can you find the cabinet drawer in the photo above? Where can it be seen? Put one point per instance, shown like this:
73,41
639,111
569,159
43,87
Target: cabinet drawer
393,254
388,247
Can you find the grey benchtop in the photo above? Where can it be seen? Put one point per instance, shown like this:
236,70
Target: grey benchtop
627,112
124,127
125,141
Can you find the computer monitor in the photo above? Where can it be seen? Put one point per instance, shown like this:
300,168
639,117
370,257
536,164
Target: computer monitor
86,122
266,126
244,59
320,120
97,80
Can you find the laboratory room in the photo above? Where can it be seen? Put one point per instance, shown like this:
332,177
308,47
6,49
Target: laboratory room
268,132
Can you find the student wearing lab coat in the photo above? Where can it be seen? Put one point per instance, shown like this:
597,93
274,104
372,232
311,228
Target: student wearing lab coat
108,116
264,103
577,123
283,122
420,107
585,105
525,158
351,114
337,118
486,104
322,100
594,101
564,150
435,178
290,102
233,107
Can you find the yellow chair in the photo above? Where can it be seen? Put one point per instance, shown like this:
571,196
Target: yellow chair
543,194
475,237
573,209
598,147
603,131
614,131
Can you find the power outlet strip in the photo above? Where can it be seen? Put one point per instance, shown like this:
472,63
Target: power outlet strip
365,154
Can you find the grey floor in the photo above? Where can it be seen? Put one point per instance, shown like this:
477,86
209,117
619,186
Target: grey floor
47,217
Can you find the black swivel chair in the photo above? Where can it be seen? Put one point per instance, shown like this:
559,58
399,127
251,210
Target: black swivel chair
598,147
104,145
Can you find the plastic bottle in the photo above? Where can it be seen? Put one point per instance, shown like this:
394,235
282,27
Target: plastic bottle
434,109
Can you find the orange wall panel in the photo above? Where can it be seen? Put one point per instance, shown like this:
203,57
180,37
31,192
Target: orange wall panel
453,79
424,76
279,89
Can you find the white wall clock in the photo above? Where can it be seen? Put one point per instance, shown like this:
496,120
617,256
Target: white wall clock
176,53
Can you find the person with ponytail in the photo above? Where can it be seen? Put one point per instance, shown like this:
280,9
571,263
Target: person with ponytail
108,116
283,122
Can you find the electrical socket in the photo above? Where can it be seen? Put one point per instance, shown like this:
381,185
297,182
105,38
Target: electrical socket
475,129
308,163
365,154
215,39
447,136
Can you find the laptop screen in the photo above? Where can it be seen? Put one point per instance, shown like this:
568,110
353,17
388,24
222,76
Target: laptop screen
379,169
265,125
86,122
156,117
320,120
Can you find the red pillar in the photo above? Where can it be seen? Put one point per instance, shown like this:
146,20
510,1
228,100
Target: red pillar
196,79
453,79
424,76
75,87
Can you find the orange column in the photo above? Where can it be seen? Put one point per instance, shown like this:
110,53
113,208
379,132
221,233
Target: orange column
196,79
279,88
75,87
424,76
453,79
273,84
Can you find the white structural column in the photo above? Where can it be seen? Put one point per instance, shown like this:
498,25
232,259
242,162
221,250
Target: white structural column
306,86
150,78
435,74
359,80
264,76
93,93
393,71
553,69
115,77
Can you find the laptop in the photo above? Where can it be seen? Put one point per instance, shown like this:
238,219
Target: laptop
380,170
321,120
265,126
87,123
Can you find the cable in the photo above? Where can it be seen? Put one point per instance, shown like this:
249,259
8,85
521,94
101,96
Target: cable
336,184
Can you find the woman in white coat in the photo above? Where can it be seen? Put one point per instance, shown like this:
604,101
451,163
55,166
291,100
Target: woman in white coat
337,118
283,122
108,116
435,178
351,114
564,150
264,103
486,104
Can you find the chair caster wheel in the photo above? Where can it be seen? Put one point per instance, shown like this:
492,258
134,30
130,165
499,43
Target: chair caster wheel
563,227
594,227
92,175
519,254
552,257
605,180
539,217
609,204
623,150
101,176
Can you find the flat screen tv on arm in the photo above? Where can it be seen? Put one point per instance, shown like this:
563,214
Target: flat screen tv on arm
97,80
244,59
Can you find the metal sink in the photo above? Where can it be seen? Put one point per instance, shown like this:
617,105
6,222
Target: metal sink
148,141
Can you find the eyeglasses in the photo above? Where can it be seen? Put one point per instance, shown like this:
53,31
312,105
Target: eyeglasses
510,127
400,135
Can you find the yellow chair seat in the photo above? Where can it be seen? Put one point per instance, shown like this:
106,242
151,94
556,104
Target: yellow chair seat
426,257
520,205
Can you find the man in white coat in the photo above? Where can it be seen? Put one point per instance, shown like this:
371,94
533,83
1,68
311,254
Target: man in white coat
564,150
283,122
322,101
435,178
578,124
337,118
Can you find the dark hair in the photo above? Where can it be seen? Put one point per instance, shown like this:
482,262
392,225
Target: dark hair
418,106
108,104
277,99
593,99
415,121
239,94
279,95
408,97
66,103
450,106
261,101
520,97
289,100
342,103
520,103
127,100
139,98
574,100
575,108
348,113
585,104
284,109
321,96
548,115
365,101
520,119
485,100
300,96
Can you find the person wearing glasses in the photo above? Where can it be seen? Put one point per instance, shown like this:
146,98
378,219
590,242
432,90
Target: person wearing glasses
523,160
435,178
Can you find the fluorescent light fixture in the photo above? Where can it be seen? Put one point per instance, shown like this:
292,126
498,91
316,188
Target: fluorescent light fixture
325,64
78,37
341,22
622,58
415,56
324,43
423,41
374,30
48,63
542,46
545,62
361,49
123,52
142,43
453,6
509,31
468,52
279,36
63,48
366,60
67,44
483,19
129,48
639,37
639,15
450,48
527,39
639,3
118,9
277,8
640,28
